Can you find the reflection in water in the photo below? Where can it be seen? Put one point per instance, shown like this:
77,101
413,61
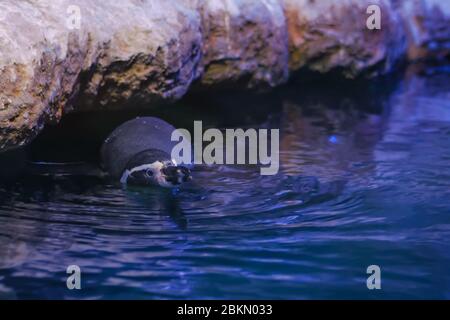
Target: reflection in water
365,179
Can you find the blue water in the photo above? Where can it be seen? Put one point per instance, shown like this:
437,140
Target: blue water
238,235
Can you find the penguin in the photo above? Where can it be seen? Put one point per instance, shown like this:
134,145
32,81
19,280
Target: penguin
138,153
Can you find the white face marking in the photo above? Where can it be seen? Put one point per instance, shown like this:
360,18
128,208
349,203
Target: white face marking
155,167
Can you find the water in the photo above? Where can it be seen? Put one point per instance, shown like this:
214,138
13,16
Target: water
235,234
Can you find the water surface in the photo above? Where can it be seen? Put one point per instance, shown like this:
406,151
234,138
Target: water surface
238,235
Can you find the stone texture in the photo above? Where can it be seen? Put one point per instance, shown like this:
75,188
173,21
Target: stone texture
427,24
142,52
326,35
125,51
244,40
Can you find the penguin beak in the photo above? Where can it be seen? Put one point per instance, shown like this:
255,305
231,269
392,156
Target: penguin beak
177,175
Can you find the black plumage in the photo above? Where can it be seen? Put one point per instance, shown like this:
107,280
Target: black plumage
126,143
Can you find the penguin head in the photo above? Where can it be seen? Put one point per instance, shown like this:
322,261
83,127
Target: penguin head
145,170
176,175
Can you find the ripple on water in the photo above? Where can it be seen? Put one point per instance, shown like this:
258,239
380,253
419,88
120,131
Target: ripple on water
235,234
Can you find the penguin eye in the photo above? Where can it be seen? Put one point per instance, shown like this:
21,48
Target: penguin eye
149,173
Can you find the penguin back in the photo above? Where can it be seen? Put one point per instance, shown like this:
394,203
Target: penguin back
132,138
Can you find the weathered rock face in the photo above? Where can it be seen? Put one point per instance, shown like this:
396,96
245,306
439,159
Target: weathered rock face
325,35
427,24
142,50
244,40
70,55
